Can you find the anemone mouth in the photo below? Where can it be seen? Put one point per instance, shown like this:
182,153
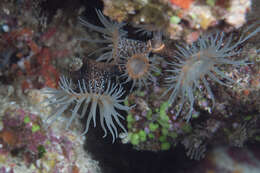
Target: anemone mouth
137,66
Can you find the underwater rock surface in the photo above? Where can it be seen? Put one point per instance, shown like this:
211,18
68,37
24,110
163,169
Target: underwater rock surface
40,41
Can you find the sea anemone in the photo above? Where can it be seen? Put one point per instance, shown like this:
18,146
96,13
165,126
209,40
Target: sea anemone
137,64
200,60
84,96
112,34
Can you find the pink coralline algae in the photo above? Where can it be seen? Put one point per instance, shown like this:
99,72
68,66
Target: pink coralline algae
23,137
22,134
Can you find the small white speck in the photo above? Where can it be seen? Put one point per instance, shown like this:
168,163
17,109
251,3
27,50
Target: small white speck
7,169
123,135
1,125
142,19
38,163
5,28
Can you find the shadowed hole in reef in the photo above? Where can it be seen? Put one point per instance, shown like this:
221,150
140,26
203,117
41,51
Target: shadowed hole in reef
122,158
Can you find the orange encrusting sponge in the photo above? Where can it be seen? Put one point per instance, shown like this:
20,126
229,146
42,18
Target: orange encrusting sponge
185,4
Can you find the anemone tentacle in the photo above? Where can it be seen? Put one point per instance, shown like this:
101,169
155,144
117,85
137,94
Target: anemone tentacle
112,33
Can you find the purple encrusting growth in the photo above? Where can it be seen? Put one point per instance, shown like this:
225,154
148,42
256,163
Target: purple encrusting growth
112,34
84,94
20,126
6,170
202,59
